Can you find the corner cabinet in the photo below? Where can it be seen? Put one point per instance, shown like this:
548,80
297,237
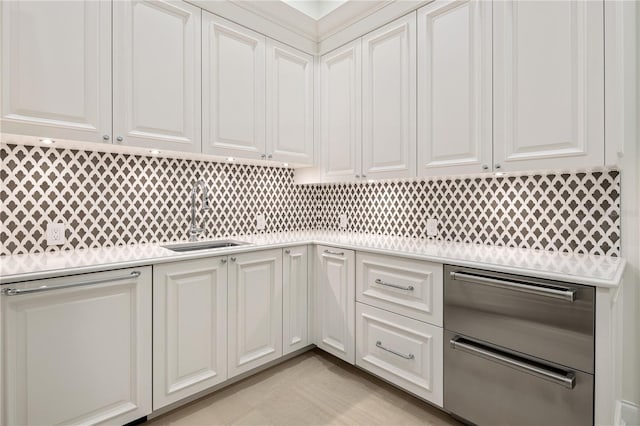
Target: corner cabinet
77,349
334,302
389,100
189,328
255,310
56,69
454,88
156,75
548,84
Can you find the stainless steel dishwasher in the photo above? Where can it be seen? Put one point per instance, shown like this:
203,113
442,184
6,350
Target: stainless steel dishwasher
518,350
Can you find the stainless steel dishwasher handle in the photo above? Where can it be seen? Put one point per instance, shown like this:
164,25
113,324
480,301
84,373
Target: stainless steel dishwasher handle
567,380
555,292
18,291
401,287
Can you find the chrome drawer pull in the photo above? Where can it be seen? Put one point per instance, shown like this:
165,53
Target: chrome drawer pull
401,287
17,291
568,380
336,253
562,293
379,345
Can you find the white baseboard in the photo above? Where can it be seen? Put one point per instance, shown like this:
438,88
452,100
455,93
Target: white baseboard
627,414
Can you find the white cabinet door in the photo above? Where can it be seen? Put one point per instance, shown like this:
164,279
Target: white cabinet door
189,328
454,87
255,310
56,69
156,75
295,299
341,107
289,104
401,350
389,100
548,77
78,354
334,302
233,89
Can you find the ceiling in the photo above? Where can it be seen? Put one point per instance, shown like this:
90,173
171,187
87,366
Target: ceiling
316,9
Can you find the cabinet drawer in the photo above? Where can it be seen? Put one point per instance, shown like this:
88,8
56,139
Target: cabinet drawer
412,288
406,352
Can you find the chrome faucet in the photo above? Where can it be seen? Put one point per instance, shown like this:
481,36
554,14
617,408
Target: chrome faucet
194,230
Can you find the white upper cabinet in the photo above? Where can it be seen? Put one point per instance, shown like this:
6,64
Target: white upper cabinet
289,92
56,69
341,113
454,87
233,89
548,68
156,75
389,100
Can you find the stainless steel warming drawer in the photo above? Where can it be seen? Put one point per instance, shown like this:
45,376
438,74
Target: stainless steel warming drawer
518,350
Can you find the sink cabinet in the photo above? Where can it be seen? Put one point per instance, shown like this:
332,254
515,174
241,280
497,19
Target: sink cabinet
78,352
255,310
189,328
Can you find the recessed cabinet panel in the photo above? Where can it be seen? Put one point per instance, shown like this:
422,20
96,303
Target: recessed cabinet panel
78,355
408,287
289,104
255,310
190,328
404,351
341,106
389,100
56,69
549,84
295,299
233,89
334,302
454,87
156,75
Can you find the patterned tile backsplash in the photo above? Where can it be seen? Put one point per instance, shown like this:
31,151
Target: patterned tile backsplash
109,199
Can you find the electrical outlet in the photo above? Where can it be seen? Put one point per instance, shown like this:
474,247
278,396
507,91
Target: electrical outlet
261,223
343,221
55,234
432,227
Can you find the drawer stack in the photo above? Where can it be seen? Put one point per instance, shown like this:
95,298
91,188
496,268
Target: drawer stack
399,322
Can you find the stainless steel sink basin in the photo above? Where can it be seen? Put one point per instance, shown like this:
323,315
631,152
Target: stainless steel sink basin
203,245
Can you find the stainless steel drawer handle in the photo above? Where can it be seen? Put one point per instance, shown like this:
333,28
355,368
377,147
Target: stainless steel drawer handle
18,291
336,253
567,380
379,345
401,287
562,293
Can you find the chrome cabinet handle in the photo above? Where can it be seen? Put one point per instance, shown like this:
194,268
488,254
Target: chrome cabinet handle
223,260
287,251
379,345
18,291
105,137
335,253
401,287
357,176
263,156
119,138
269,156
233,259
498,166
485,167
562,293
567,380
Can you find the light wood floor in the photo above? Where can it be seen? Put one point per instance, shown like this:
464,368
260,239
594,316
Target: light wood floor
311,389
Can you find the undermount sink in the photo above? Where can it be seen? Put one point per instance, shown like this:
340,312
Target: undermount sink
203,245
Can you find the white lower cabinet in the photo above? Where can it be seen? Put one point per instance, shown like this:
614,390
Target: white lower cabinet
189,328
255,310
295,299
401,350
77,349
334,302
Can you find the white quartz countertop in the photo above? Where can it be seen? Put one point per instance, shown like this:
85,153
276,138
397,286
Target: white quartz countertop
601,271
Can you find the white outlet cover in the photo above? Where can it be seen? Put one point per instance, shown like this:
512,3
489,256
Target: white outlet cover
261,223
56,234
432,227
343,221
